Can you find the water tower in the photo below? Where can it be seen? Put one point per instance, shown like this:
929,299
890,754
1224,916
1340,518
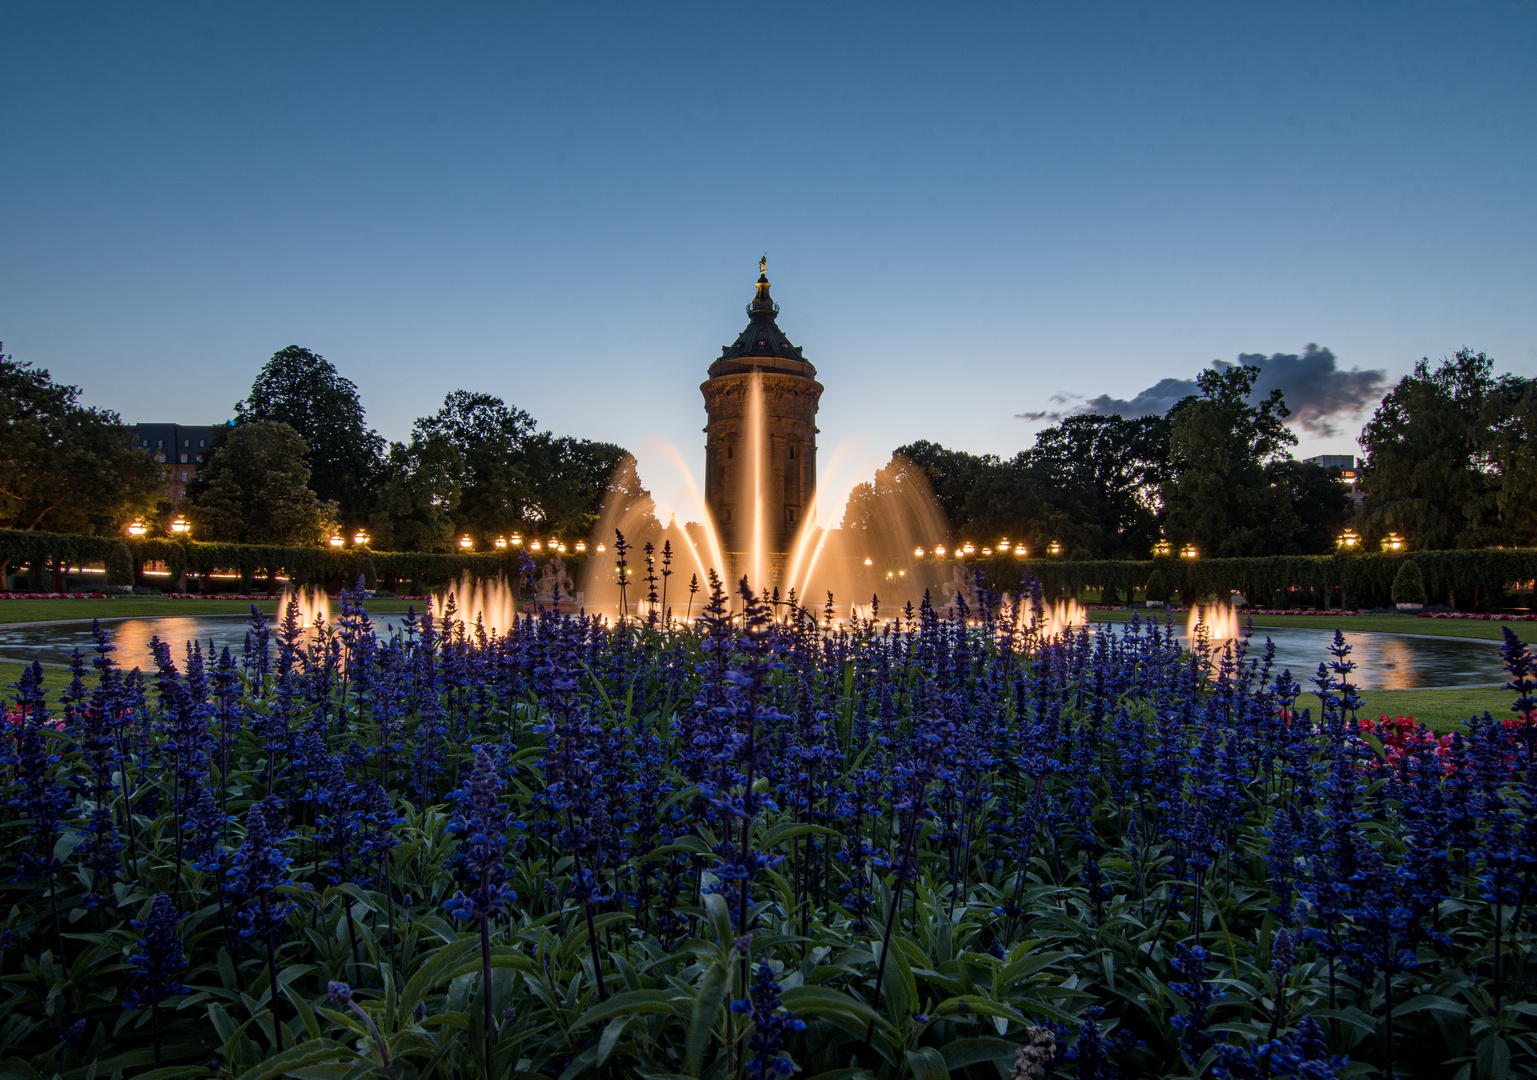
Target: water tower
760,459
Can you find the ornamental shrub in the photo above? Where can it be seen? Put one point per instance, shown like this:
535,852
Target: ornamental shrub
119,565
1157,588
1409,584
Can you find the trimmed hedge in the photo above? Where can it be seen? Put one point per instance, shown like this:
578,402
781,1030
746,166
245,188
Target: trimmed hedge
1464,578
302,565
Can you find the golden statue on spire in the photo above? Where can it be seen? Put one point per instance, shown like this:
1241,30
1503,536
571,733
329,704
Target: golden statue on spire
763,264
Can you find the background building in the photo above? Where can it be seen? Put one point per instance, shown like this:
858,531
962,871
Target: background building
179,449
1346,464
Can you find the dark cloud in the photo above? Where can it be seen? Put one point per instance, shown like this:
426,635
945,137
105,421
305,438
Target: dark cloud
1316,389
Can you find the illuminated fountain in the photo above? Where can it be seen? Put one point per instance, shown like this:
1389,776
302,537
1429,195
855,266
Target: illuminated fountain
313,605
490,603
764,512
1217,622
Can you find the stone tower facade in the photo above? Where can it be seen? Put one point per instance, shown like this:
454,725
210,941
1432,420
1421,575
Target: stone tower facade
788,466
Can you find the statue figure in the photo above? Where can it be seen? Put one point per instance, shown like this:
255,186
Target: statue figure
960,586
554,577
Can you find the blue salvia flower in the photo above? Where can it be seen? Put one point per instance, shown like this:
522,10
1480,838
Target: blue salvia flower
1304,1054
481,824
42,799
1193,1025
1091,1051
772,1026
257,872
158,959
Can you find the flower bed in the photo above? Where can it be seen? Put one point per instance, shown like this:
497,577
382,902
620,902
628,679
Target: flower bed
754,848
55,596
1476,616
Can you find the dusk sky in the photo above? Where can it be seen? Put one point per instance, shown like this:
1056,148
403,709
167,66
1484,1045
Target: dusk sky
970,212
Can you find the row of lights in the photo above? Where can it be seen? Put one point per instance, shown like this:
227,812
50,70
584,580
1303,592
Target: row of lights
181,526
1349,540
502,543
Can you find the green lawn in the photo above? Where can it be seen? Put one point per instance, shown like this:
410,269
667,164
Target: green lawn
1440,710
15,611
1382,624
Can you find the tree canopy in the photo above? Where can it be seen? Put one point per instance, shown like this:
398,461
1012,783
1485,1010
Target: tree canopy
303,389
1450,455
66,467
255,490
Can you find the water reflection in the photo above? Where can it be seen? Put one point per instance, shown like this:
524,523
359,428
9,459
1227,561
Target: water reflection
1384,661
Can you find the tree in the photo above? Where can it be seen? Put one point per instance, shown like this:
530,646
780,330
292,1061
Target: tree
952,475
1102,474
65,467
568,479
303,390
257,490
1227,457
418,496
1321,505
1434,450
489,436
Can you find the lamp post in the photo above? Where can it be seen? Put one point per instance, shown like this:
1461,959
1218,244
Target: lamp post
361,538
1348,540
1393,542
181,526
137,528
1189,552
501,542
581,546
939,549
465,542
1053,548
917,553
1162,549
336,541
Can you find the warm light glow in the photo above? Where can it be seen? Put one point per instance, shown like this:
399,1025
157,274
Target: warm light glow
869,561
1348,539
561,547
581,545
1393,542
987,551
137,528
466,543
1163,549
888,575
336,541
517,539
553,542
1218,622
968,549
361,538
1054,548
501,541
1189,552
602,548
1020,551
534,545
901,573
181,525
917,553
939,549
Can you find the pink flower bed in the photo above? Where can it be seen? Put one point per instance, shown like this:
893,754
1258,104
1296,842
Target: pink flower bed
1474,615
55,596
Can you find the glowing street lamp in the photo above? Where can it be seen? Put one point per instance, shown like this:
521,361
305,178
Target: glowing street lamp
1020,551
1393,542
869,561
336,541
137,528
917,553
968,549
939,549
1053,548
1348,540
361,538
581,545
1163,549
1189,552
604,547
534,545
181,525
465,542
517,539
501,542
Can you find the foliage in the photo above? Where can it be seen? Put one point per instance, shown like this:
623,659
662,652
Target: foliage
257,490
1225,453
303,389
1409,584
64,465
1442,448
119,565
930,848
418,496
1157,587
1321,505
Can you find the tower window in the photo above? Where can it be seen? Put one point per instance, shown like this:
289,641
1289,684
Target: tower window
728,451
792,453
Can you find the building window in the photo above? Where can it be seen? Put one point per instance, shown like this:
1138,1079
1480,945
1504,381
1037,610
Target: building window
184,459
204,442
792,453
729,451
184,476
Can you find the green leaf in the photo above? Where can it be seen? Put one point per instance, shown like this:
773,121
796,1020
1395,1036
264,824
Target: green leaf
927,1064
963,1052
630,1004
707,1003
1432,1002
1493,1058
316,1052
806,1001
610,1038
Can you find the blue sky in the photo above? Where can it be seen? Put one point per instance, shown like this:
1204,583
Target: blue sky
967,208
